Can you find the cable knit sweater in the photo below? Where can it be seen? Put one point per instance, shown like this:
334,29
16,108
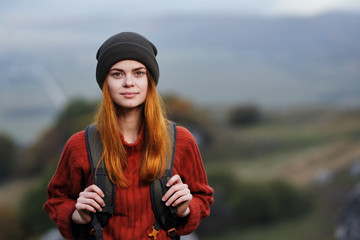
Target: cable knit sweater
133,216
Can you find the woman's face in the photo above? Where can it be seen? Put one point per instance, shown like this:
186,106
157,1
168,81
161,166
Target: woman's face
128,83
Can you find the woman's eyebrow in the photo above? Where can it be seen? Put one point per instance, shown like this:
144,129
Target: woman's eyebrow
139,68
116,69
121,70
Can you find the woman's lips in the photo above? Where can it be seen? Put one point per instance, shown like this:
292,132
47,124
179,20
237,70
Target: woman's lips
129,94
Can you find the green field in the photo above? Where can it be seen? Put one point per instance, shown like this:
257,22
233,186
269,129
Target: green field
298,147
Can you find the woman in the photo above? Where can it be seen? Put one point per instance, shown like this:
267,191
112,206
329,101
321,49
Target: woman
135,142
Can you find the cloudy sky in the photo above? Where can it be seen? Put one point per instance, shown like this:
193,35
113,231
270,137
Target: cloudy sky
42,8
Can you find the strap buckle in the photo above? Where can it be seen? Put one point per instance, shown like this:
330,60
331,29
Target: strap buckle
154,233
171,232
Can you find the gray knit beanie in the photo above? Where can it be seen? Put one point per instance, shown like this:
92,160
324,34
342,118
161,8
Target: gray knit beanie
126,46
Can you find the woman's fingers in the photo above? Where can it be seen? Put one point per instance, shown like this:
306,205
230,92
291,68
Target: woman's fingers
90,199
173,183
94,188
84,207
174,180
176,192
178,196
88,204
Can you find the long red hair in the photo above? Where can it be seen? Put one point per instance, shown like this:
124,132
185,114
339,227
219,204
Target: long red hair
156,140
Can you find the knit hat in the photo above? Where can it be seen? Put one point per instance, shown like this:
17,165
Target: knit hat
126,46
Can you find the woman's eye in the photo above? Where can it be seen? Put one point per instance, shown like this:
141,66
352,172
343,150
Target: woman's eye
139,73
117,75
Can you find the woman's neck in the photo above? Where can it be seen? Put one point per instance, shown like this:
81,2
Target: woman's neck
129,122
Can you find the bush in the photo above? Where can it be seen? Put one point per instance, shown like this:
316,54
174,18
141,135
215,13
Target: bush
196,120
254,204
7,156
248,203
9,227
269,202
75,117
33,219
222,217
293,202
244,116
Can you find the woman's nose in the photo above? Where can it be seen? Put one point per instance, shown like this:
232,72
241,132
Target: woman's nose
129,81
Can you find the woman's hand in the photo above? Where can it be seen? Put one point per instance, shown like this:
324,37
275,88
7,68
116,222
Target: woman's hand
178,196
89,201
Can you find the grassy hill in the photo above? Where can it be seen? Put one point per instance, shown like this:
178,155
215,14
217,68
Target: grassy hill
296,145
314,149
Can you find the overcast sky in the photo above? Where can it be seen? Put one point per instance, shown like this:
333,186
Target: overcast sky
52,8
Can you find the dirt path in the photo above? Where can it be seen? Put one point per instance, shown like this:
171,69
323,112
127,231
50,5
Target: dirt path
305,167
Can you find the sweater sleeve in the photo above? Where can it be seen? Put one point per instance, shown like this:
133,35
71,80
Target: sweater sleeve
71,177
188,164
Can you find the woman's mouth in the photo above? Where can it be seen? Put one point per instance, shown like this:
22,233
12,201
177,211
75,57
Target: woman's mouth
129,94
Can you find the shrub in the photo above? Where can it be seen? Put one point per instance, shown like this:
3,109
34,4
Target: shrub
254,204
244,116
9,227
249,203
196,120
33,220
269,202
7,156
74,117
222,217
293,202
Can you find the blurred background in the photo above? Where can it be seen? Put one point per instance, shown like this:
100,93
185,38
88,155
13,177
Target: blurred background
270,90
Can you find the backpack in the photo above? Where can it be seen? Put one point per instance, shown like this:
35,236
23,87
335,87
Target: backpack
165,216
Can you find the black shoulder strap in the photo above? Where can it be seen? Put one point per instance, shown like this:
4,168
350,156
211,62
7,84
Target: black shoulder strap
100,178
165,216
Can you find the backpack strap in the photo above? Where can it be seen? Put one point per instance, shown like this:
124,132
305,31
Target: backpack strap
165,215
100,178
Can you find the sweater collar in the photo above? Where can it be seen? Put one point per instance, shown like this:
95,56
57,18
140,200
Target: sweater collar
137,145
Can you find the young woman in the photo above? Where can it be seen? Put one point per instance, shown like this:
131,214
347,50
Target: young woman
135,142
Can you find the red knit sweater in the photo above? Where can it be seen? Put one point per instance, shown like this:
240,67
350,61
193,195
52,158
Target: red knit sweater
133,216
